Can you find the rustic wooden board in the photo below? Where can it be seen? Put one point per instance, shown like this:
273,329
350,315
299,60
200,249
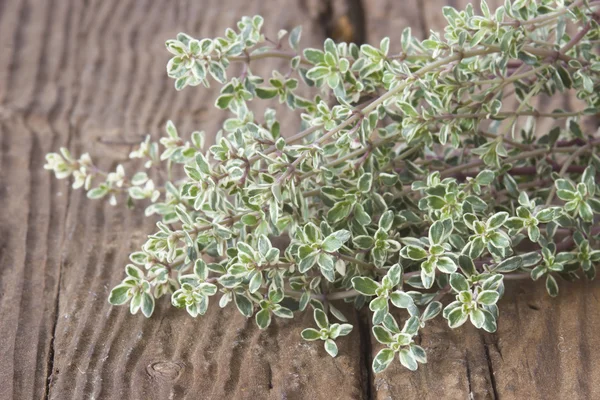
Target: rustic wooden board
544,347
457,363
72,72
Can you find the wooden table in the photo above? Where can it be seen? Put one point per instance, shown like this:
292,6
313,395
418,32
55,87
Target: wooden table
73,72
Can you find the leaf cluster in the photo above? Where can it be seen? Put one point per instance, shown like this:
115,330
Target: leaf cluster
441,184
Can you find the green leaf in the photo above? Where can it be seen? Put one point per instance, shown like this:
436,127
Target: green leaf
312,232
551,286
294,37
249,219
485,177
563,184
331,348
223,101
244,305
283,312
509,265
318,72
207,289
147,305
360,215
436,232
275,296
119,295
401,299
565,195
386,221
245,250
263,320
321,319
466,264
446,265
477,317
585,210
134,272
97,193
364,285
382,335
488,297
411,326
326,262
382,360
458,282
499,239
345,329
419,353
182,82
457,317
476,248
365,182
497,220
588,178
256,282
201,269
306,263
432,310
408,360
217,72
395,274
413,253
533,232
266,93
314,56
334,241
427,274
310,334
363,242
339,211
490,322
436,202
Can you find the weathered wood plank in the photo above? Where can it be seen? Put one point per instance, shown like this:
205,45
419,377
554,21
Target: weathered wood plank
103,352
389,18
32,204
543,345
457,364
547,348
456,369
73,72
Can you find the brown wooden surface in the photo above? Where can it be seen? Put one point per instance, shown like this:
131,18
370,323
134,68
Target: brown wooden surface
72,72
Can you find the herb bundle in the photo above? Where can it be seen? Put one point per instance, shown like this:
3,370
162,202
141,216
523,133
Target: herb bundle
413,176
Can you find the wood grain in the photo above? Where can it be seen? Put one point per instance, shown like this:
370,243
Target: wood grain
32,116
542,347
102,351
72,72
548,348
457,364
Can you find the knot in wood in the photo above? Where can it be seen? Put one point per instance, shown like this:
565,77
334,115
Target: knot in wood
166,370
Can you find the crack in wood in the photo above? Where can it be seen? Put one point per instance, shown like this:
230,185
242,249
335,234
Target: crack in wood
51,351
422,20
50,364
366,349
270,375
357,18
491,370
469,376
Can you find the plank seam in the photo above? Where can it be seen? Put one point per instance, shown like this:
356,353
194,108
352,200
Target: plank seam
490,369
366,349
423,21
